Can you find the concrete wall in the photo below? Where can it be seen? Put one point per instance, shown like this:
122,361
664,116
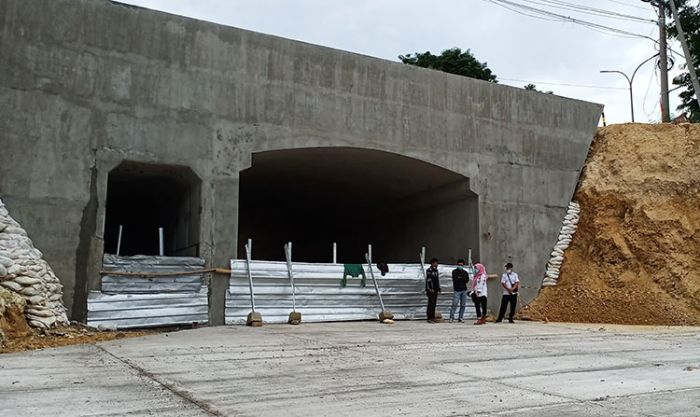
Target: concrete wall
86,84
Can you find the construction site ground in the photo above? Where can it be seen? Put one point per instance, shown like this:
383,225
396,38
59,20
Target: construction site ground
62,336
365,368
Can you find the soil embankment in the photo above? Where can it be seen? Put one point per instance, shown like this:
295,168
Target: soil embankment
635,258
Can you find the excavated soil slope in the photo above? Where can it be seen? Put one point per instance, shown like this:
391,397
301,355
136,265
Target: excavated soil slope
635,258
12,322
16,335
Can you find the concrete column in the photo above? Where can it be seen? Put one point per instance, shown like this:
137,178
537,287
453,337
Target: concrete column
223,224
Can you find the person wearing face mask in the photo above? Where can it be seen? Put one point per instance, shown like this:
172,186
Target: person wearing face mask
460,277
479,292
511,284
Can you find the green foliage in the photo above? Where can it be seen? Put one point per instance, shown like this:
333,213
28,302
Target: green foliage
533,87
453,61
689,15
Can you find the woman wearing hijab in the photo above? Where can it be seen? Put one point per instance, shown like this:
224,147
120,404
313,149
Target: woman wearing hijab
479,292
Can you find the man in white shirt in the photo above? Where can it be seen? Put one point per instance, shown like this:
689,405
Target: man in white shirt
511,284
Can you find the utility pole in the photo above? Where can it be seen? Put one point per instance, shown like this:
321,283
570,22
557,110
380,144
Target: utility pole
688,58
663,65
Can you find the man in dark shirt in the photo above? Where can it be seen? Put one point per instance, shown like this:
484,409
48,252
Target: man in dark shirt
460,278
432,288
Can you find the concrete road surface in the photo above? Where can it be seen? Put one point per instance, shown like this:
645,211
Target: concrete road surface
365,369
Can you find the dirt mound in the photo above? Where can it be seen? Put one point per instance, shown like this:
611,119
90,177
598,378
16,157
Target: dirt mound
635,258
16,335
12,321
64,336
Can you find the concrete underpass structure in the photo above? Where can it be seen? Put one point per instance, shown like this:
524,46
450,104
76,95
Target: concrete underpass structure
112,114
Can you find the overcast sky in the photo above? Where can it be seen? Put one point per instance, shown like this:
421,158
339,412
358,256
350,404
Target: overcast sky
516,47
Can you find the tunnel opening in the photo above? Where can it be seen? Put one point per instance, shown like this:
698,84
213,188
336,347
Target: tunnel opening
145,197
355,197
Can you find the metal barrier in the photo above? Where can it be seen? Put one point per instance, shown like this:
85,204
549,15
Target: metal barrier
129,300
320,297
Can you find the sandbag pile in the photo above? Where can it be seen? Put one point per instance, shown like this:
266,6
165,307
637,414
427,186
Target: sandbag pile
23,271
566,234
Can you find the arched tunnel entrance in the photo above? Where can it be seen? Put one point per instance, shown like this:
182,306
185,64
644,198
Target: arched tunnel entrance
316,196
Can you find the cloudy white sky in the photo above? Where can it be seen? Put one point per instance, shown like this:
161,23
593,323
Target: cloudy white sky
519,49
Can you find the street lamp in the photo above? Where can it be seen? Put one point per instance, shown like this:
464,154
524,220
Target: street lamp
630,80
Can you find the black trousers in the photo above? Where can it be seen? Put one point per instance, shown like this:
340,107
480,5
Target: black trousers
508,298
480,305
432,302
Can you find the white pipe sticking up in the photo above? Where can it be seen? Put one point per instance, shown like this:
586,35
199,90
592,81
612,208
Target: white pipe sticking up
119,240
161,251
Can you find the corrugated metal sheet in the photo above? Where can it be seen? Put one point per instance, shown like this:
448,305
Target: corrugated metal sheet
117,284
320,297
133,301
124,311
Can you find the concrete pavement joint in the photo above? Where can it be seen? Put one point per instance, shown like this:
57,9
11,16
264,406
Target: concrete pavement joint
185,396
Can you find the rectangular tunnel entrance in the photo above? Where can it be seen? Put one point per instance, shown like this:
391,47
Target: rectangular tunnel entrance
145,197
316,196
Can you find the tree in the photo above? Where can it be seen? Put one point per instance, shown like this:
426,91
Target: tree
453,61
689,16
533,87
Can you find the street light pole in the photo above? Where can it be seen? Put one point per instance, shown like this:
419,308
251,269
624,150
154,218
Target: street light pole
630,80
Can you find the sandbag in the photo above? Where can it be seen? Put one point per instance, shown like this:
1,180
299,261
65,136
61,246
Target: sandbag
39,312
6,261
25,272
55,297
16,270
15,230
30,291
35,300
11,285
25,280
564,239
37,324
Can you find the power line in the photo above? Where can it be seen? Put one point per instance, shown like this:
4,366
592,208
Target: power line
563,84
628,5
521,12
646,94
579,8
560,17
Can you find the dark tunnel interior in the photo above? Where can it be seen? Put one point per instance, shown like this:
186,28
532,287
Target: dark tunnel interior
355,197
143,197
